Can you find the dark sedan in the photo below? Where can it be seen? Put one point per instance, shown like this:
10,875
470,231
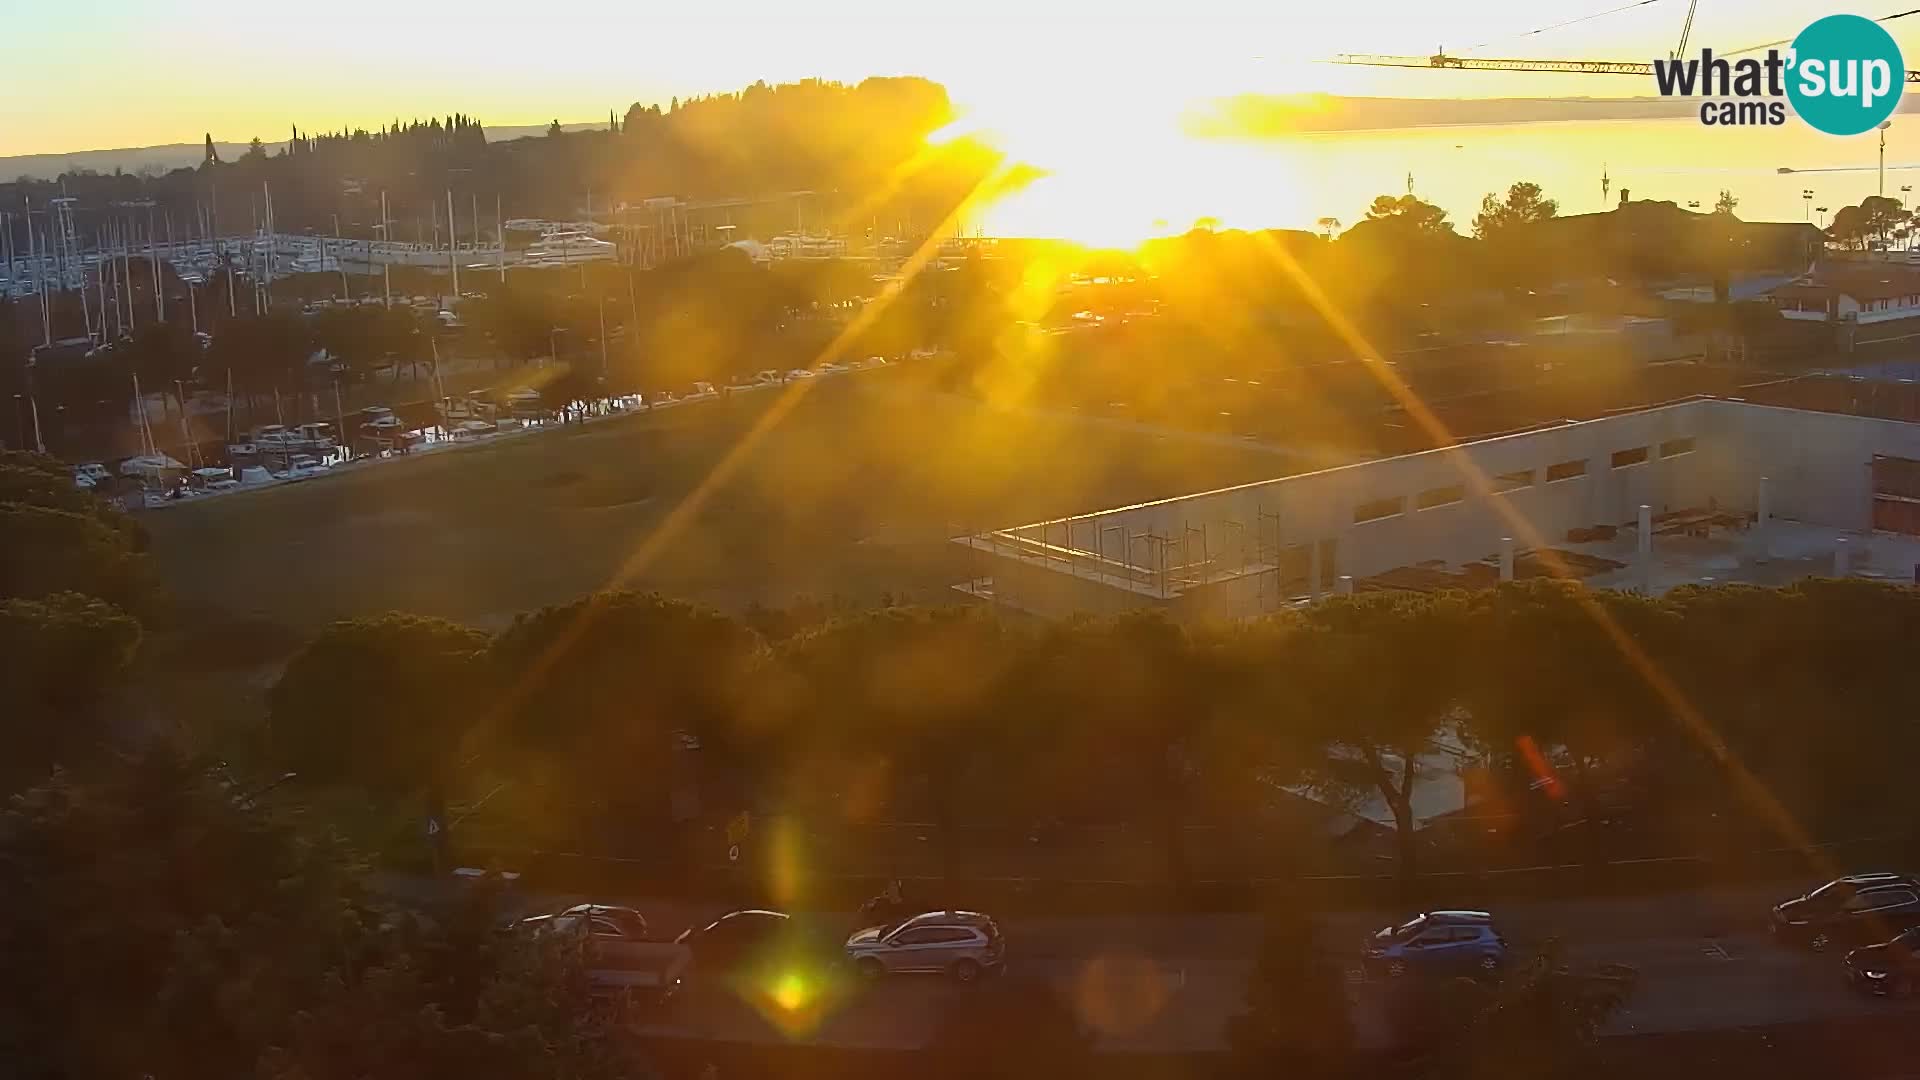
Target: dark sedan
1890,968
1854,910
743,941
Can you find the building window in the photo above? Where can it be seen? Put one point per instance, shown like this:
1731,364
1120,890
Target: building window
1440,496
1566,470
1676,447
1513,481
1379,508
1624,458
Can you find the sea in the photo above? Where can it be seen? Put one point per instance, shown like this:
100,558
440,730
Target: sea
1786,173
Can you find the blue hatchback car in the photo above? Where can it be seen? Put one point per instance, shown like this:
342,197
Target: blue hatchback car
1442,943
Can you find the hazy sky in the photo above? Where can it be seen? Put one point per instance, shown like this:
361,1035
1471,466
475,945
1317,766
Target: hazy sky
83,74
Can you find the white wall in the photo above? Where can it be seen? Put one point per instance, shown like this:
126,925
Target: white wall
1817,464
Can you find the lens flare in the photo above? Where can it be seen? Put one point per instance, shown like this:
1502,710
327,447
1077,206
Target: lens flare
791,992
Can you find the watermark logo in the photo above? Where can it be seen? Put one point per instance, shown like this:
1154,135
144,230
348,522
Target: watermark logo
1847,75
1843,75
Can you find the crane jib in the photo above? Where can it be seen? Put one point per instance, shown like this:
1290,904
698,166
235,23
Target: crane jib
1462,63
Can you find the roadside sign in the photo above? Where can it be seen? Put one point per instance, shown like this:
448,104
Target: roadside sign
434,828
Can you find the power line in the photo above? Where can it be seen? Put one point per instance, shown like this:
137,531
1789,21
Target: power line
1569,22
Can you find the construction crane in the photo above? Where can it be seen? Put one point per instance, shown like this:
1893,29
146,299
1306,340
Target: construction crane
1578,67
1467,63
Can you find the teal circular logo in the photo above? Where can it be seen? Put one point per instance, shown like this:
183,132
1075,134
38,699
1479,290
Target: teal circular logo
1846,75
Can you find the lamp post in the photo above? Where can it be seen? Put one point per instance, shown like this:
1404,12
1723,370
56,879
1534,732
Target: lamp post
1822,211
1806,195
1884,125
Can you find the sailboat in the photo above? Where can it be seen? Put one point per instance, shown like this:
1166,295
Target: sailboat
150,464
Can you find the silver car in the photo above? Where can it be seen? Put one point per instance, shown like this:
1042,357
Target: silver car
963,944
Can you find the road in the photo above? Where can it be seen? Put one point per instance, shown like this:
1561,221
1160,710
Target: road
1168,983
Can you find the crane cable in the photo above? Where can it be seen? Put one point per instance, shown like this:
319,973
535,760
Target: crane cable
1788,41
1558,25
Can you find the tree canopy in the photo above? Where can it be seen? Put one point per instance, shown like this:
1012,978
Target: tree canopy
1524,205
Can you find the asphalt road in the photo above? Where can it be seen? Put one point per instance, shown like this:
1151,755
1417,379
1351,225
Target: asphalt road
1168,983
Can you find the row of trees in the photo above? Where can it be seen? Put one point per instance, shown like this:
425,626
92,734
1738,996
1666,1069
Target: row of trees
157,922
861,148
1696,703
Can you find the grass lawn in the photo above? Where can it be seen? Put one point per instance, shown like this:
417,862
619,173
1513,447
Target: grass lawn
850,496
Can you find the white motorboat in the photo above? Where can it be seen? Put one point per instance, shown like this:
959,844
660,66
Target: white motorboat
317,438
211,478
564,246
150,466
91,475
300,467
378,420
525,404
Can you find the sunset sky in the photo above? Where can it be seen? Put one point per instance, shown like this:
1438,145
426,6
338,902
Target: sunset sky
86,74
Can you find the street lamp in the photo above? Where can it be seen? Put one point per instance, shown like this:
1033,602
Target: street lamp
1807,195
1822,211
1884,125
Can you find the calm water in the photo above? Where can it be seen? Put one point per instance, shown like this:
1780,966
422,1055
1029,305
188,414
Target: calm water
1294,181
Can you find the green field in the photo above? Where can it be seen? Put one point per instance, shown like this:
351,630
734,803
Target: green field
850,496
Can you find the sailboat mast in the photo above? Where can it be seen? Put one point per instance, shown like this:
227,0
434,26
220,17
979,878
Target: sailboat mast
153,269
386,265
126,266
453,245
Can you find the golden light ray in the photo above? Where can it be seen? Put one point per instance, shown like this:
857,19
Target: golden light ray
688,508
900,173
1664,687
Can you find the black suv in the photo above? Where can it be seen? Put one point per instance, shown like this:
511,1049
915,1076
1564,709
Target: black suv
1857,909
1890,968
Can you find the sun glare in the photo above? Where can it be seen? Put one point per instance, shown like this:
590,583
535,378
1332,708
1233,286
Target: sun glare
1119,166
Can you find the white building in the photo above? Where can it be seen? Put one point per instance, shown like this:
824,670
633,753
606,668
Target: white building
1863,293
1731,492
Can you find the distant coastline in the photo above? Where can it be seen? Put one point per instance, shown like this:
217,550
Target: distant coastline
1255,116
1245,116
169,156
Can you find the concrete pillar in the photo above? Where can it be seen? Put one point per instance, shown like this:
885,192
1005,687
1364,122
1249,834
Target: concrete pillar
1840,553
1506,558
1345,585
1645,549
1313,569
1764,510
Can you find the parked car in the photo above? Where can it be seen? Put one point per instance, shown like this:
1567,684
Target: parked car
963,944
621,958
1857,909
1891,967
743,941
1444,943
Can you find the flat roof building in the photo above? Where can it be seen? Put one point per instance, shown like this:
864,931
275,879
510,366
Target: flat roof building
1699,491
